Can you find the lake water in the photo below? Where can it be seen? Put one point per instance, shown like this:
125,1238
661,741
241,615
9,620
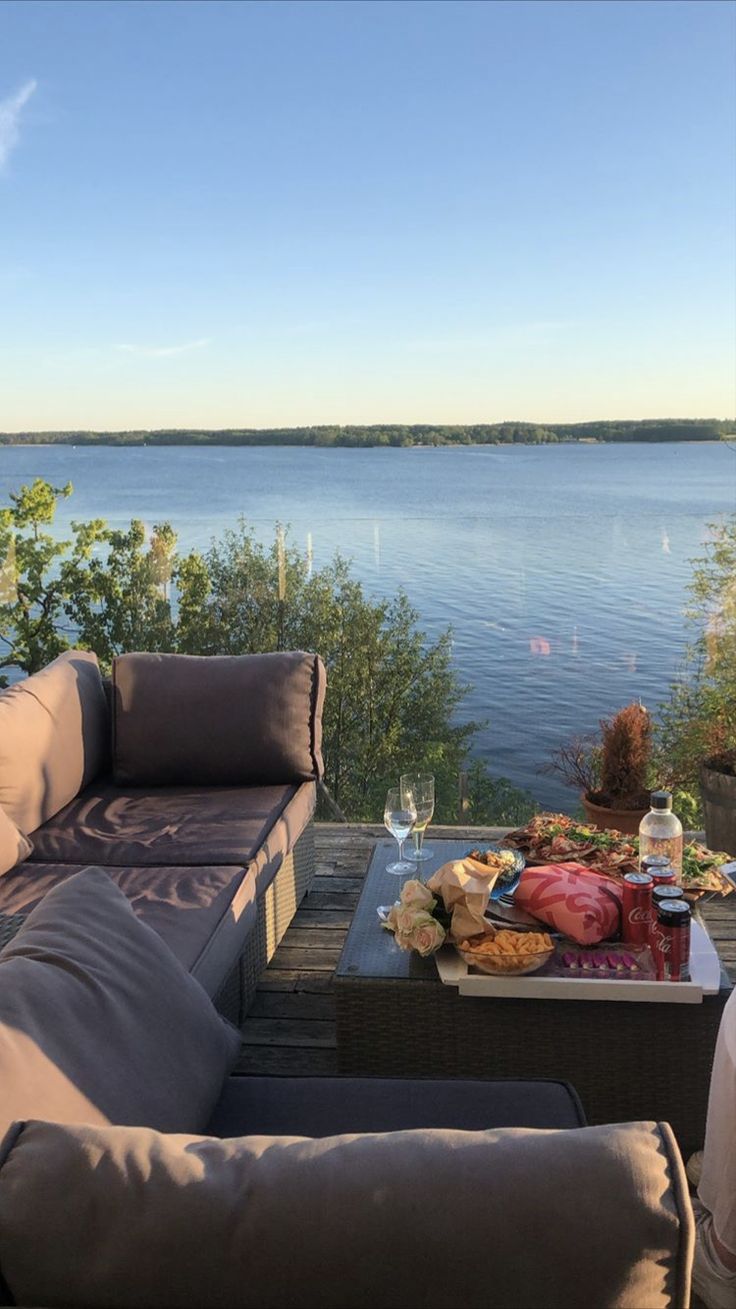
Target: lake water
562,569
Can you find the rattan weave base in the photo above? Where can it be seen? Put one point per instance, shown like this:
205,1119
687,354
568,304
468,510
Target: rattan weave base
276,908
9,925
628,1061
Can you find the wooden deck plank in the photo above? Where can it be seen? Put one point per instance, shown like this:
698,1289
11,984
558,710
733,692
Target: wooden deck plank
290,1028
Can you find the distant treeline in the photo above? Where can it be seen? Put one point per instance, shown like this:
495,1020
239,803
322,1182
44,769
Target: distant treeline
664,429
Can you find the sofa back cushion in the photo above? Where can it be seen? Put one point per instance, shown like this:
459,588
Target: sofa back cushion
511,1217
99,1023
217,720
54,738
14,846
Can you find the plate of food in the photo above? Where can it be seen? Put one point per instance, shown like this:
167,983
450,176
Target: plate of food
509,864
556,838
507,953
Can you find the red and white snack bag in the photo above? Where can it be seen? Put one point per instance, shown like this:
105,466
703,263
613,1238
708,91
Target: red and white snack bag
581,904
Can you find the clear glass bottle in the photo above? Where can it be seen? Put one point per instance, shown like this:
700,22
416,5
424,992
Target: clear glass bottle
660,831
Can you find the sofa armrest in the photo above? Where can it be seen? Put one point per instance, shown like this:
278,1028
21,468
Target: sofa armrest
241,720
507,1218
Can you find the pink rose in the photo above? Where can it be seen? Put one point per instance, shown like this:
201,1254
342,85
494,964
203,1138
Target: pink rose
406,919
416,895
428,935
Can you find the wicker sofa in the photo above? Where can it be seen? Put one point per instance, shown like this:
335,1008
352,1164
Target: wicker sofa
191,780
134,1170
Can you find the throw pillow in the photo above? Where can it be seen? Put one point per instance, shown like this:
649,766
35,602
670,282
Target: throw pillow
230,720
54,738
127,1217
14,846
99,1022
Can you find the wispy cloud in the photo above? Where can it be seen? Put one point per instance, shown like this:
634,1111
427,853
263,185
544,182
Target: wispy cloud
163,351
10,112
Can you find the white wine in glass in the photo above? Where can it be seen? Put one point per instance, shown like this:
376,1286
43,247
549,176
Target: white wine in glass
419,788
399,817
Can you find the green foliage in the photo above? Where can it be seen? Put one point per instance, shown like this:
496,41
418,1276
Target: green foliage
509,805
698,721
121,599
392,693
398,435
38,575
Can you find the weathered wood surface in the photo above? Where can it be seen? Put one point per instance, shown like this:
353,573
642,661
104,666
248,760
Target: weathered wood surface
290,1029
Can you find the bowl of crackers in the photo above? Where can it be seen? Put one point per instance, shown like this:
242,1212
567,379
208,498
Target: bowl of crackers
506,953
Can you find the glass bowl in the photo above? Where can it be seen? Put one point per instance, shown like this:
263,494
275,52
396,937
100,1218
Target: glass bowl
506,965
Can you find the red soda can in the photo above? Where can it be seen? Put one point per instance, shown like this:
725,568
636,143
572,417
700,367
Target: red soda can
664,876
659,868
671,947
665,892
636,910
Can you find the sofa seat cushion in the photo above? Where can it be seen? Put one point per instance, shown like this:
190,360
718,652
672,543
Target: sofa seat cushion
217,720
328,1106
203,911
54,738
99,1023
513,1218
179,825
186,906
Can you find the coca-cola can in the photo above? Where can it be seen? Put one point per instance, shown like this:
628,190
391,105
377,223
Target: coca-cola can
664,877
671,945
665,892
636,909
659,868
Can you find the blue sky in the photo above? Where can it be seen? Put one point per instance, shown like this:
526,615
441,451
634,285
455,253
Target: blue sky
281,213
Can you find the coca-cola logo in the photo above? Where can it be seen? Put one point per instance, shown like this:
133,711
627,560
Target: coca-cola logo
640,916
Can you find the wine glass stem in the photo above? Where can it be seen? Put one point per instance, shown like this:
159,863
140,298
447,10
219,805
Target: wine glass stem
401,849
418,838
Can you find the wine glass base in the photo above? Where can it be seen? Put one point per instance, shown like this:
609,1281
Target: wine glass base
419,856
399,868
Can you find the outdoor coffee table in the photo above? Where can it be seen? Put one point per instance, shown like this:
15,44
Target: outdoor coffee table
627,1060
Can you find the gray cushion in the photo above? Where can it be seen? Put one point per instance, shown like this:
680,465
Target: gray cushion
326,1106
99,1023
217,720
183,825
511,1218
14,846
54,738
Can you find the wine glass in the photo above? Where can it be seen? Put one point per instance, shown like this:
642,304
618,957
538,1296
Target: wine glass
399,817
419,788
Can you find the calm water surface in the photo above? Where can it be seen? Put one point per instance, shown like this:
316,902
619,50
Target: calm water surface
562,569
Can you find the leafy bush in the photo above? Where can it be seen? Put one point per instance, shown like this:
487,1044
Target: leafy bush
392,693
698,721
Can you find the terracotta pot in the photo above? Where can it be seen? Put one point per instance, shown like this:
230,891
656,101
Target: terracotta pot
623,820
719,806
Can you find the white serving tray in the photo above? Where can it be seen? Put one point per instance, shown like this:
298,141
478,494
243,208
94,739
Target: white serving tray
705,979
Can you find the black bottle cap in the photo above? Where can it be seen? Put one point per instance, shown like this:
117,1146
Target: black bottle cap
661,800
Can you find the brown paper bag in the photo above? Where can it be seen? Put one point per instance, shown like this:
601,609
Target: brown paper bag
464,886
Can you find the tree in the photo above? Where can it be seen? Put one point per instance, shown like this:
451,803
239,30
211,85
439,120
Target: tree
38,576
121,600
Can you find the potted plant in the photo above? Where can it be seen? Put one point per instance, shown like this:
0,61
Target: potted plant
611,771
718,791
